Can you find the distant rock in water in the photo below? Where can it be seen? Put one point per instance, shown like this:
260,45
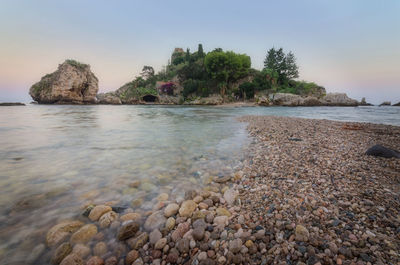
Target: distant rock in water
386,103
73,82
379,150
363,102
397,104
12,104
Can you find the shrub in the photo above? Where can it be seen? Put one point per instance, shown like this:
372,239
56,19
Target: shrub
76,63
167,88
247,89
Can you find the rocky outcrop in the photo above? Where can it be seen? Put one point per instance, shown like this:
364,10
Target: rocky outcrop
397,104
286,99
211,100
386,103
73,82
6,104
363,102
169,100
108,98
338,99
293,100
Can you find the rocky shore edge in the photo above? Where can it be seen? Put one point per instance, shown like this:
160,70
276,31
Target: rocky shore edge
307,194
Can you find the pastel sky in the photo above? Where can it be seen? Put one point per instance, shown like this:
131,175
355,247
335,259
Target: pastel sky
350,46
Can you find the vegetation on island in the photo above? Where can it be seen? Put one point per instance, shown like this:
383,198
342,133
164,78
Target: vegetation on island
226,73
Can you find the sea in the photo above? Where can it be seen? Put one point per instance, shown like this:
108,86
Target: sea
55,160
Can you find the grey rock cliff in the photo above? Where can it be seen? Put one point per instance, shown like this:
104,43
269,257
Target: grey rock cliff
73,82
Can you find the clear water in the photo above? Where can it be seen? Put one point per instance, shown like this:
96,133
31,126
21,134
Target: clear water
56,159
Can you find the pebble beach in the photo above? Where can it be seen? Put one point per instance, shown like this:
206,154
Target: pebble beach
306,193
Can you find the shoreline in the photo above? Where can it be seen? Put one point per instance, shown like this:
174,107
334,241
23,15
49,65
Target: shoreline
306,194
228,104
326,201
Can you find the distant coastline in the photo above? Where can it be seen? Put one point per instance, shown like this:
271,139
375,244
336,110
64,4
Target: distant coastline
214,78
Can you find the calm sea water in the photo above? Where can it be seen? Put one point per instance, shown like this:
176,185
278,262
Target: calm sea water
54,160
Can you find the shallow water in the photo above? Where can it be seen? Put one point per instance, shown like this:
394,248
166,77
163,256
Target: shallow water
56,159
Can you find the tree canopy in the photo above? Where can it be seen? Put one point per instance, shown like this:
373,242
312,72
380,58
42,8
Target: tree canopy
283,65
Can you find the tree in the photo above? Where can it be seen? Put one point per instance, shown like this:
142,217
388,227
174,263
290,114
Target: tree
187,56
292,70
226,67
147,72
284,65
200,52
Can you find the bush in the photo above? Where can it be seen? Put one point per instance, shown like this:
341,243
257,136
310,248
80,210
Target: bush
76,63
167,88
247,89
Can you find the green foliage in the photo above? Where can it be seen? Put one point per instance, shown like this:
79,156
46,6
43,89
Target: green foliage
193,86
247,89
283,64
187,55
200,52
228,66
76,64
43,85
178,60
147,72
202,74
284,89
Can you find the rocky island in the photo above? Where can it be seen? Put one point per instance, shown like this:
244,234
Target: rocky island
199,78
72,83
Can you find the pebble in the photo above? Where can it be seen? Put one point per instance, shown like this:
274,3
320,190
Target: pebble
98,211
223,212
130,216
81,250
155,221
171,210
170,224
138,241
160,244
128,230
84,234
95,261
154,236
187,208
72,259
302,233
235,245
132,256
107,218
198,233
61,252
100,249
202,256
61,231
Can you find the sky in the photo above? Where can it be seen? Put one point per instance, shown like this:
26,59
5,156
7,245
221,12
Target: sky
350,46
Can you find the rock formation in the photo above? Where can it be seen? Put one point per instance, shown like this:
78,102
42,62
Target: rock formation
397,104
386,103
7,104
331,99
363,102
73,82
108,98
338,99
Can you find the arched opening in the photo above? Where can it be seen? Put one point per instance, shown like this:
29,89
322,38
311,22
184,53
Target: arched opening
150,98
